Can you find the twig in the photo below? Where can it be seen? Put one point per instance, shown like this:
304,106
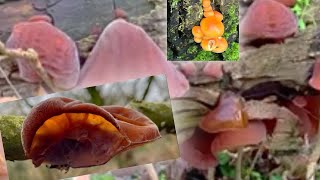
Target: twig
151,172
239,164
33,58
114,5
211,173
10,84
255,159
150,79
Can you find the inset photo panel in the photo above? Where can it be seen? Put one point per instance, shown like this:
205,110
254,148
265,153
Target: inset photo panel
88,130
203,30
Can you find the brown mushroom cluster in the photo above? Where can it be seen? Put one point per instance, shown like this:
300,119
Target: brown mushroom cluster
209,33
66,133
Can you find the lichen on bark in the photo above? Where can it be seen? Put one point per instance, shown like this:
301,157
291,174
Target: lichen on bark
10,128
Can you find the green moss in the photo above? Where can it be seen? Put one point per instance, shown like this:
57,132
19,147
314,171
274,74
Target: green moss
204,56
169,54
174,3
160,113
193,15
231,20
10,128
232,53
192,50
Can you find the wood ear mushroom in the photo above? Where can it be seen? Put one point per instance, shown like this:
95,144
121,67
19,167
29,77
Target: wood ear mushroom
64,132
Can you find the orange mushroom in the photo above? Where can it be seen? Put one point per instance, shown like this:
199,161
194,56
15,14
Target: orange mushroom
208,14
206,9
218,15
210,30
206,3
221,45
196,31
67,133
197,40
212,27
208,44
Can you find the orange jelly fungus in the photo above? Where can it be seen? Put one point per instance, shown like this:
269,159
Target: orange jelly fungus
212,27
206,9
65,133
218,15
221,45
197,40
208,14
58,127
196,31
206,3
208,44
210,31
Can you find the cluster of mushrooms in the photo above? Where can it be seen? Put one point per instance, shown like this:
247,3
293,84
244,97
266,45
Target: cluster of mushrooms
59,55
75,134
232,123
238,119
209,33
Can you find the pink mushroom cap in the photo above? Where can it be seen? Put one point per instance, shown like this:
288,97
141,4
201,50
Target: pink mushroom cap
196,150
125,51
253,134
267,20
314,81
288,3
56,50
307,109
227,115
213,69
189,68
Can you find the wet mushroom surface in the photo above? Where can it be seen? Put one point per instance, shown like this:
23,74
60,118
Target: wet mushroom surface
63,132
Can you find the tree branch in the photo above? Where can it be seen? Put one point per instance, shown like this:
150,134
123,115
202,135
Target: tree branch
32,56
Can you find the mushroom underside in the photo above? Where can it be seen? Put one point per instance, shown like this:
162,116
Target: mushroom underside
76,140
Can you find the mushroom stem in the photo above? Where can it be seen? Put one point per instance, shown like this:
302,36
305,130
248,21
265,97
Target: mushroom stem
151,172
239,163
211,173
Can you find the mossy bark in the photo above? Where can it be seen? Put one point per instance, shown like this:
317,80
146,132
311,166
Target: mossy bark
10,128
160,113
184,14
